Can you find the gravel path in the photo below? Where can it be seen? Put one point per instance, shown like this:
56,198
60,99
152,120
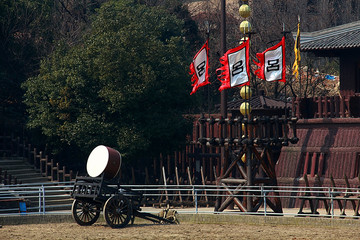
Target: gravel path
181,231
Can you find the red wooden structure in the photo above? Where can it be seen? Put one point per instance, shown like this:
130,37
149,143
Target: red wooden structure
328,126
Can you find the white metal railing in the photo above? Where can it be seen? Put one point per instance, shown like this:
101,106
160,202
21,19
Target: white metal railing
33,197
196,196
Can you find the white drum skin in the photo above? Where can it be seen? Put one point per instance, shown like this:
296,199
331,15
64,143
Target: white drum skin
103,159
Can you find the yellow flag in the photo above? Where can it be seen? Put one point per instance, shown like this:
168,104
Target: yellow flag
296,65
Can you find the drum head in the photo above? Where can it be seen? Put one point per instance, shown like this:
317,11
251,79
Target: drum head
105,160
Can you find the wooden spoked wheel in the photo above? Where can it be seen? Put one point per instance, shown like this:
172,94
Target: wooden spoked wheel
117,211
85,213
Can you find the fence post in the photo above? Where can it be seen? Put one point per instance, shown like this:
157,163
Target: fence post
40,200
264,195
43,198
196,200
331,202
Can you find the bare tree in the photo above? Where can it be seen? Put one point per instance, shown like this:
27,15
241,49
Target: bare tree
71,18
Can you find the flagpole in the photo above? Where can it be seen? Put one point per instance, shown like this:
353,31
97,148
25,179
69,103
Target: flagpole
286,111
207,25
296,71
223,95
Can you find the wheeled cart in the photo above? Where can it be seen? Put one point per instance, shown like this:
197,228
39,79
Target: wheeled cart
93,194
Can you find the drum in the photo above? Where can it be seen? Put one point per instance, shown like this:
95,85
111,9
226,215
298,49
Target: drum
103,159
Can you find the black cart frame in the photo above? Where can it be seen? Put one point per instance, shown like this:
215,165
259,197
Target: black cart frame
119,205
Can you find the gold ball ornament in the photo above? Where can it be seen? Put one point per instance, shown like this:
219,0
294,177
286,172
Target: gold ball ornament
245,108
243,158
243,127
245,92
245,27
244,11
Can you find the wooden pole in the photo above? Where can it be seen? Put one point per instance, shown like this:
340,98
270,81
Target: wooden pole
165,184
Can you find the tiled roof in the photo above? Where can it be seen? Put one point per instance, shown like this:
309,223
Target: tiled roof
345,36
340,144
258,103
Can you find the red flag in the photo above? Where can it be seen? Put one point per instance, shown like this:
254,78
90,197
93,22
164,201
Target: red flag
199,68
272,63
235,70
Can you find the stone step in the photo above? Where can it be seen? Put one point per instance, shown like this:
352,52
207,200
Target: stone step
33,180
26,174
54,202
56,208
16,166
29,177
11,157
14,163
58,201
21,170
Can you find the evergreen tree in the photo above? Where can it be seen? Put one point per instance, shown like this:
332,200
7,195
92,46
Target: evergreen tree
125,86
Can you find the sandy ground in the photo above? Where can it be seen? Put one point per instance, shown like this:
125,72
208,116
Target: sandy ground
181,231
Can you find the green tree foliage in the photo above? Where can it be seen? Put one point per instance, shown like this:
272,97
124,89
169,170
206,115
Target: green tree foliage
125,86
21,25
28,31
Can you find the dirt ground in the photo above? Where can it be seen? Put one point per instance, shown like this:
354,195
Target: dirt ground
181,231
